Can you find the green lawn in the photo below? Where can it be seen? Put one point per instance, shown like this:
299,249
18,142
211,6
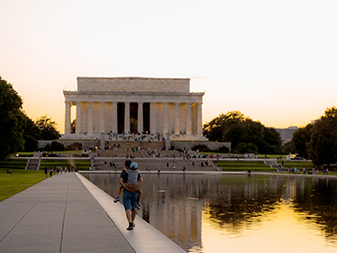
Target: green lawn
258,156
81,164
244,166
297,164
56,152
14,164
18,181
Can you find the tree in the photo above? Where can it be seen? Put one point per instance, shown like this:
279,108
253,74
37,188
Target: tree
287,147
30,143
47,128
322,147
12,120
31,135
246,148
234,127
301,140
272,141
214,130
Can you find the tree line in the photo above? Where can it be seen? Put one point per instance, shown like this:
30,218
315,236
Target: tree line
245,135
318,140
17,131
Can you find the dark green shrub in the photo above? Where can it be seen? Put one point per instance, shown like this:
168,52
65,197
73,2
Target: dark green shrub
57,146
74,146
223,149
201,148
246,148
47,147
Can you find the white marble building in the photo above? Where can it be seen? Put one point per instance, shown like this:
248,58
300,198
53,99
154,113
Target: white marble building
134,104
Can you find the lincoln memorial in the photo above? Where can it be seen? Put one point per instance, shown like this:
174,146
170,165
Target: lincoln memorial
134,105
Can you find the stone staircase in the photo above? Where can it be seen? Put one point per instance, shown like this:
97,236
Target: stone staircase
278,167
155,164
151,157
126,153
33,163
124,145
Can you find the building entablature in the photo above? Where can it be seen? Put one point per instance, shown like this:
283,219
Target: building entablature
144,97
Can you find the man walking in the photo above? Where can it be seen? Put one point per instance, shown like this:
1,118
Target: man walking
130,196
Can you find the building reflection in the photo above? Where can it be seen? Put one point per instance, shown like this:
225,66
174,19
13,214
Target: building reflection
175,204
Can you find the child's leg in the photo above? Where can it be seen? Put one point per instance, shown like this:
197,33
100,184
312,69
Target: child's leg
119,193
140,196
119,190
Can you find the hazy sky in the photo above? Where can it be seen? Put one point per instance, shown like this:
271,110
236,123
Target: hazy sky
275,61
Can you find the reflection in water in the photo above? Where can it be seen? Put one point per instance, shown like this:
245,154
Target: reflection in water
317,199
209,213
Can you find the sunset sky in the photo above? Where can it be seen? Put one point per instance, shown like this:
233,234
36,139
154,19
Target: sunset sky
275,61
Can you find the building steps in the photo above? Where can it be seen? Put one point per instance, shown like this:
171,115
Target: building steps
155,164
278,167
33,163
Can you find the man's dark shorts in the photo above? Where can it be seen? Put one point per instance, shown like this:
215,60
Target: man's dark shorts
130,200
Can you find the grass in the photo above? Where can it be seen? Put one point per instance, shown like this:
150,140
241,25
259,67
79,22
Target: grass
19,180
258,156
297,164
13,164
244,166
81,164
57,152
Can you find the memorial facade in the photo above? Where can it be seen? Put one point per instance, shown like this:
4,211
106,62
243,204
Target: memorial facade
133,105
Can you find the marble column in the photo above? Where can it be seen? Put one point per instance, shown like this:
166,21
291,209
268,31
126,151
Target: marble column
102,118
67,123
177,119
153,118
90,119
127,117
114,117
165,119
189,119
140,117
78,118
199,120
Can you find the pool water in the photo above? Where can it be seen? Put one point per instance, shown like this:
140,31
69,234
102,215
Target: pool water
239,213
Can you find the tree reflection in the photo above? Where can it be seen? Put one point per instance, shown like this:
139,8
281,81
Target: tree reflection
317,198
238,202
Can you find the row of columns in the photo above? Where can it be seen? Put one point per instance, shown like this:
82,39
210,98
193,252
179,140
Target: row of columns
127,118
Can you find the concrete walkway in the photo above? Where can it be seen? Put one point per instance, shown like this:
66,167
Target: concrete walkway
67,213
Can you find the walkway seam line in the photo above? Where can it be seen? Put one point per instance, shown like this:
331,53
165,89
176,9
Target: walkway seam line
64,217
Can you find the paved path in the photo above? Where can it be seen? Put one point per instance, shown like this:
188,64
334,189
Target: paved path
66,213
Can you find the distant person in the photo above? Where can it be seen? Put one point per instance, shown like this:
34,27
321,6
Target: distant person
51,172
131,182
45,171
9,171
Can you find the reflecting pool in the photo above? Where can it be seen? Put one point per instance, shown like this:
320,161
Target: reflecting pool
239,213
